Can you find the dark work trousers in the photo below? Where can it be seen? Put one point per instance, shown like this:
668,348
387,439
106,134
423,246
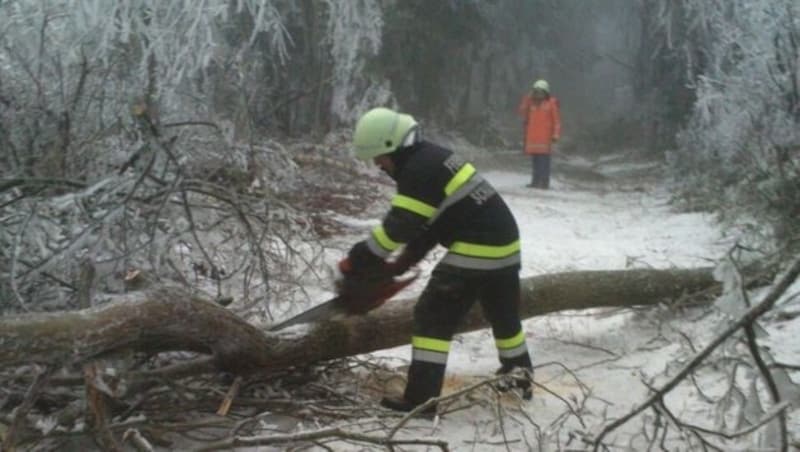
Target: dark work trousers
541,170
447,298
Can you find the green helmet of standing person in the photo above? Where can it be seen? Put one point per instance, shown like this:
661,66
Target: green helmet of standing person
541,85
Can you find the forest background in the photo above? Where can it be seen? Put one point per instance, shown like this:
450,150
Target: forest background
131,129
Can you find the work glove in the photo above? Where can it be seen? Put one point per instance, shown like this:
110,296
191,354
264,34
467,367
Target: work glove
400,265
362,290
345,266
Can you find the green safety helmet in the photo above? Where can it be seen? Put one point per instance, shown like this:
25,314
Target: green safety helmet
381,131
541,85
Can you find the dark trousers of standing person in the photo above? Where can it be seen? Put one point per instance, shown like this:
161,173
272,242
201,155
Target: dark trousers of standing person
541,171
447,298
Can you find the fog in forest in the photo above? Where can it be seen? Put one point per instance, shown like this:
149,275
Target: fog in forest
188,166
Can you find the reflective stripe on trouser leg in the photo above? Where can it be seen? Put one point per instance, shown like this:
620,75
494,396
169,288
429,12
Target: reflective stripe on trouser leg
430,349
514,351
512,347
499,296
441,306
426,373
428,364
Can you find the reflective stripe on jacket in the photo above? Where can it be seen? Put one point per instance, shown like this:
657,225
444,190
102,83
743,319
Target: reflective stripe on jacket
542,123
442,199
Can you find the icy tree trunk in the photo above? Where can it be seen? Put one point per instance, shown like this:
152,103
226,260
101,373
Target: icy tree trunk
169,319
390,325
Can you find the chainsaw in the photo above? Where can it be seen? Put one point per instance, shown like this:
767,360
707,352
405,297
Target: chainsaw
366,297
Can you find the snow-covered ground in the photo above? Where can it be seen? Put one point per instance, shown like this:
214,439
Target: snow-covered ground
592,366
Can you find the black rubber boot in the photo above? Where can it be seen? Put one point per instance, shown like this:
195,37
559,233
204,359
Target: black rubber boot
405,406
424,382
522,378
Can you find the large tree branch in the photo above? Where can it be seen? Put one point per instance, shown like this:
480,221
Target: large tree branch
171,319
166,319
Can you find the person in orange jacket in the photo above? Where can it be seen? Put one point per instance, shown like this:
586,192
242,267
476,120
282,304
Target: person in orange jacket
540,113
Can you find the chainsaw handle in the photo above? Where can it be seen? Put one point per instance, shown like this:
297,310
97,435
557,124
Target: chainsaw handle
360,302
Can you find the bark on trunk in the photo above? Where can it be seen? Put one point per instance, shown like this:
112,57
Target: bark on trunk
171,319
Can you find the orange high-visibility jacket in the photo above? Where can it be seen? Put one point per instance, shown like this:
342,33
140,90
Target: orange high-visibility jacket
542,123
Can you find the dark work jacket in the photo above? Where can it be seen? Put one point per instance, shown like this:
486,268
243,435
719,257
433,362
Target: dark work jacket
442,199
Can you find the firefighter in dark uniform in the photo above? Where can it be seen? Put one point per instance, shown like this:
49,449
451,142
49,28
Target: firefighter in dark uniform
441,199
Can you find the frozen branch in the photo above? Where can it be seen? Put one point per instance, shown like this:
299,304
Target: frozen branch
751,315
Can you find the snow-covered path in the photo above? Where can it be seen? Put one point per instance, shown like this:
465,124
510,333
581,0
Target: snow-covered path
566,229
591,364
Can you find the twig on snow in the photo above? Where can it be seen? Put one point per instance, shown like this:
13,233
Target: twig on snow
752,345
22,410
749,316
326,433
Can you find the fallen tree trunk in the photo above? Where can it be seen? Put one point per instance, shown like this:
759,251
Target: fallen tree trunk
171,319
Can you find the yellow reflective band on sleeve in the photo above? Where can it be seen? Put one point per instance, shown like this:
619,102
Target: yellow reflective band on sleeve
470,249
459,179
418,207
379,234
429,343
511,342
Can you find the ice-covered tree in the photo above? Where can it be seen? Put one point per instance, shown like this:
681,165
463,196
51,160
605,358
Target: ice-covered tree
109,139
71,70
740,151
